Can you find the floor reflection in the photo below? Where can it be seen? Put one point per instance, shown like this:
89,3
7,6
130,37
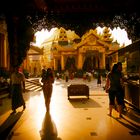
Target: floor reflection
49,130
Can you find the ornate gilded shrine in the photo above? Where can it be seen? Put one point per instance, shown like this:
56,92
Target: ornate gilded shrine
66,50
34,61
87,53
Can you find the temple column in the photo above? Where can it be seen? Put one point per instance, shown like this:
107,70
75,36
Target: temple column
26,63
4,49
54,64
62,62
13,23
1,50
117,58
80,61
103,60
5,52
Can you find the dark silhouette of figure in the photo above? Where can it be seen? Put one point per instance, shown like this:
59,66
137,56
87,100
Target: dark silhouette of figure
17,88
113,87
47,80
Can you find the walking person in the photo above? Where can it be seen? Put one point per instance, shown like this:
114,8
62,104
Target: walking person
17,88
47,80
113,87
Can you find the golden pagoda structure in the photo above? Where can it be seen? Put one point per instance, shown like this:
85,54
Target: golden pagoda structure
65,50
88,52
34,61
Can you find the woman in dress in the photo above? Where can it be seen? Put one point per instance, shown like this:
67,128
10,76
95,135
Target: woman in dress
47,80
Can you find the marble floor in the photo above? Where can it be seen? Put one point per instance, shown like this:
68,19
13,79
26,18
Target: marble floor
76,119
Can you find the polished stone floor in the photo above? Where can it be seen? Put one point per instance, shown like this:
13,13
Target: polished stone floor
76,119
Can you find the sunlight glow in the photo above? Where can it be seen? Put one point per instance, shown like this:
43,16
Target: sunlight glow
38,111
43,35
118,34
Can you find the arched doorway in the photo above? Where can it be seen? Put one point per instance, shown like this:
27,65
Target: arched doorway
91,61
70,64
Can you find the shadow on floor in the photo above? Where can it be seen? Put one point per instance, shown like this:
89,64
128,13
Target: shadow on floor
49,130
6,127
134,130
133,114
130,120
84,103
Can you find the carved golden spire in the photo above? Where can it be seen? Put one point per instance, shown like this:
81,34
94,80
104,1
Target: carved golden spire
106,36
63,35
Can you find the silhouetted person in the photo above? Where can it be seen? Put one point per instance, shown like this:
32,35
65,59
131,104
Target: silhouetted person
47,80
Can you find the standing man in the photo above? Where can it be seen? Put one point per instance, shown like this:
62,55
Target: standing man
17,88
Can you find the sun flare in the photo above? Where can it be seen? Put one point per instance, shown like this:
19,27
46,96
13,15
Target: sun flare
42,35
118,34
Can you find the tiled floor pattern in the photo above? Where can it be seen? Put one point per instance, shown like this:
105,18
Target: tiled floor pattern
74,119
